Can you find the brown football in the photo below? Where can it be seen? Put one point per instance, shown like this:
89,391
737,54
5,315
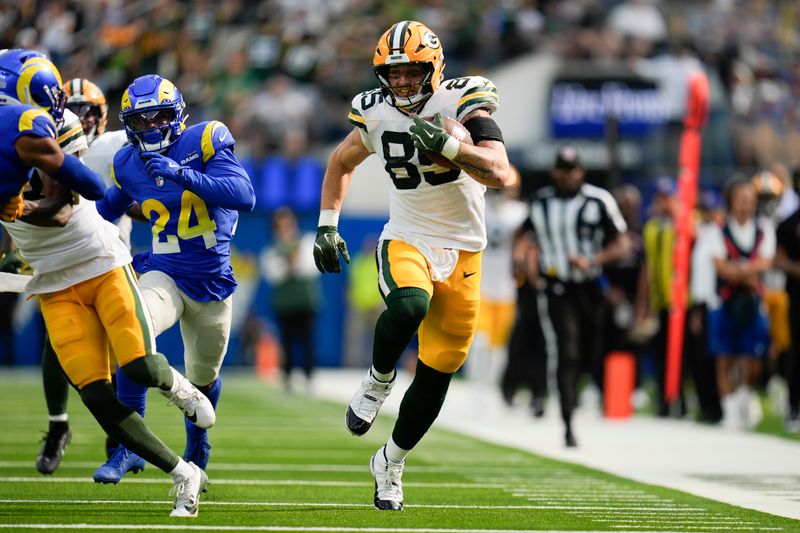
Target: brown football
457,130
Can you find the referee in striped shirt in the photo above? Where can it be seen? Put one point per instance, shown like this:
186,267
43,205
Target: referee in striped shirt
578,228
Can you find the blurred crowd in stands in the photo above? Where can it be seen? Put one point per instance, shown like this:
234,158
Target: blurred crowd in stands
280,69
281,74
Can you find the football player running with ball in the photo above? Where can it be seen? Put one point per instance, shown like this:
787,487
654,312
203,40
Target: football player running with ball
190,186
429,254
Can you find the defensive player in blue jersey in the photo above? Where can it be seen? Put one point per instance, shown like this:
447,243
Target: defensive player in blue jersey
83,279
190,186
31,110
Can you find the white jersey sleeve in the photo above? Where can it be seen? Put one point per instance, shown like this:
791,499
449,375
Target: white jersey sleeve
70,135
474,92
100,156
430,204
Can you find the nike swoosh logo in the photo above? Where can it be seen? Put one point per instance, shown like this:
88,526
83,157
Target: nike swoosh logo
466,275
428,134
193,418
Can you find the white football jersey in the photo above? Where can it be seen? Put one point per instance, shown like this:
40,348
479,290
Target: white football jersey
428,203
100,158
86,247
70,135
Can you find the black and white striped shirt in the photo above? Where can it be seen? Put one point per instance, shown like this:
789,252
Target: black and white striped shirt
579,225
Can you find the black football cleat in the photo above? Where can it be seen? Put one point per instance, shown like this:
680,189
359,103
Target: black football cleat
55,441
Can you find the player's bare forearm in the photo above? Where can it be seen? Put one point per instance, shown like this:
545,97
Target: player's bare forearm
334,188
46,213
486,163
54,210
339,172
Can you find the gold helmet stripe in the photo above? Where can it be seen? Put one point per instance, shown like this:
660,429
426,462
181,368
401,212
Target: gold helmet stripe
126,101
166,91
29,69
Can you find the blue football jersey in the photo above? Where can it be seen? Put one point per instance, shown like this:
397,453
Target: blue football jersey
16,121
191,231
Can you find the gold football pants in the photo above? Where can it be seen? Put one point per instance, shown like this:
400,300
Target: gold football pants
87,318
447,330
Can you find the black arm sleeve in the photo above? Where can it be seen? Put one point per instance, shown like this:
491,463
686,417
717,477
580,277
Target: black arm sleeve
483,129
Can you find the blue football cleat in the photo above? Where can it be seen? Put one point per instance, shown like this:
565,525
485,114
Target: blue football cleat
121,462
197,451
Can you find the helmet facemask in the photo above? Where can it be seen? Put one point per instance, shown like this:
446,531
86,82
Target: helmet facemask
412,99
154,129
90,115
54,100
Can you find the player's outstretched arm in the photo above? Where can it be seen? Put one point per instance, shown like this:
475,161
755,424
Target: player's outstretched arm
224,184
45,154
114,204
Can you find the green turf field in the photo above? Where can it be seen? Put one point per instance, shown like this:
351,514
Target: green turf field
288,464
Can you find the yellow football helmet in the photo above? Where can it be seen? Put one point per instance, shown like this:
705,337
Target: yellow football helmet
767,184
409,42
86,100
769,188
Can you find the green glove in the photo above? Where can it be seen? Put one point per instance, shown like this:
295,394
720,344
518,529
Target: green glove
433,137
327,247
11,262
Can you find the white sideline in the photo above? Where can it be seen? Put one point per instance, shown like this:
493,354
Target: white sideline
707,461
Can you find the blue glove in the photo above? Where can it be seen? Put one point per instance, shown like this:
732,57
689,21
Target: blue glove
160,167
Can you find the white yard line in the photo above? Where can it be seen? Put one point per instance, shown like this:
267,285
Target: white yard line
267,504
677,454
162,527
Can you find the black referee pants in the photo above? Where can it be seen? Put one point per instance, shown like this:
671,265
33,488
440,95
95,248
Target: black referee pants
577,313
527,353
297,330
793,363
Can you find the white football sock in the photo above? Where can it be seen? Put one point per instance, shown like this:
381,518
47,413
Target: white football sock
181,470
395,453
386,378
